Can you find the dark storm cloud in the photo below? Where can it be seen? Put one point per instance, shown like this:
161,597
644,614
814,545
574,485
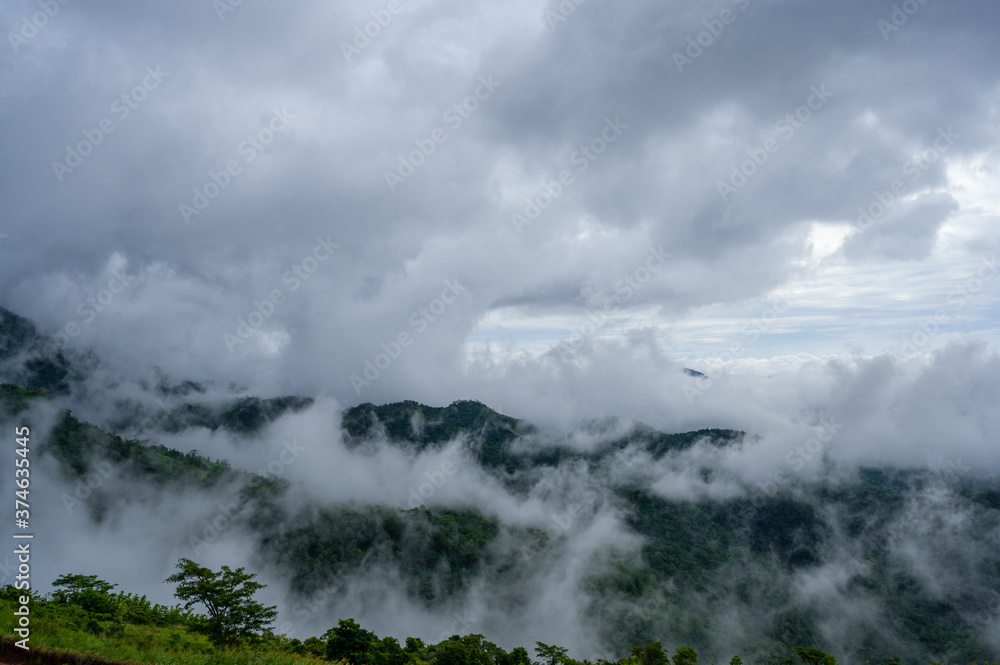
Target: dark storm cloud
270,126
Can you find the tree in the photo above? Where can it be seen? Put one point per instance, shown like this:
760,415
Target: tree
233,614
414,645
313,646
484,652
352,642
651,654
815,657
388,652
518,656
453,652
86,591
685,656
550,654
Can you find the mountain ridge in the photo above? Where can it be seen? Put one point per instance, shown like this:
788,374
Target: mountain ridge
670,568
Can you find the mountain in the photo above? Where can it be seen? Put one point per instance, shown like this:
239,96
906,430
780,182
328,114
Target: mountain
641,535
29,358
491,436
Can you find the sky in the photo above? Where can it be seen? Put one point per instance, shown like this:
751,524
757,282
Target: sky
552,207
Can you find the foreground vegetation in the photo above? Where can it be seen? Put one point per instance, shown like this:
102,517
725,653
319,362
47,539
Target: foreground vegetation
84,620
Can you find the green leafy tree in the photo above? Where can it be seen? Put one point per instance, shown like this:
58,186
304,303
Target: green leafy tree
480,650
313,646
86,591
388,652
685,656
414,645
518,656
453,652
351,642
550,654
815,657
651,654
736,661
233,614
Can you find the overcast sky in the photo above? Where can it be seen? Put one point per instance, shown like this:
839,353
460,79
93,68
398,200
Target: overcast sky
545,206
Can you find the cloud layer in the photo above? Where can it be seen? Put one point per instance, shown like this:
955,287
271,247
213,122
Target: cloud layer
768,147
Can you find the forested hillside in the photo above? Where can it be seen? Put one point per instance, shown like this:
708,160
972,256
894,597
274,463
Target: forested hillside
752,572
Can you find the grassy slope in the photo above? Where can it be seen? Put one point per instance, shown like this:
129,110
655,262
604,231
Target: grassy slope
55,634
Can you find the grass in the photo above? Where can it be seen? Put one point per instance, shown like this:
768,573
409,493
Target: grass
57,638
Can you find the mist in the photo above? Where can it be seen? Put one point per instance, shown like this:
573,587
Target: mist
806,422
